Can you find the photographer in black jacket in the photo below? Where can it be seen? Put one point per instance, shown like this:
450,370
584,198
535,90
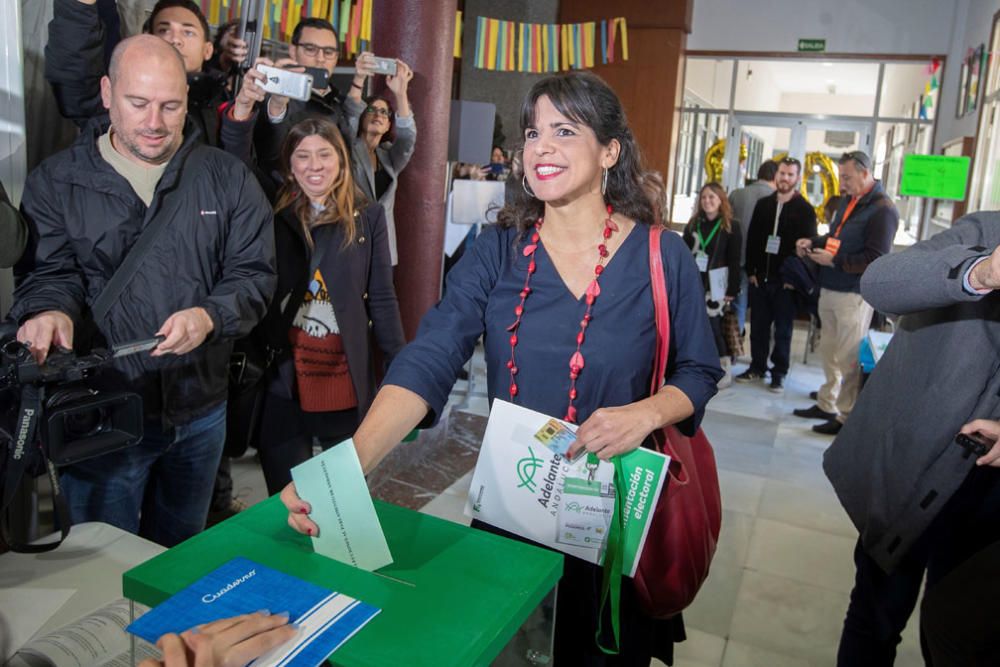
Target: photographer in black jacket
205,280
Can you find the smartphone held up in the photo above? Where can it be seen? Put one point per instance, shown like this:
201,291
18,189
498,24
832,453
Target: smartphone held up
296,85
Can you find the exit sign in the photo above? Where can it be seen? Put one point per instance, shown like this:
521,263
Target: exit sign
812,45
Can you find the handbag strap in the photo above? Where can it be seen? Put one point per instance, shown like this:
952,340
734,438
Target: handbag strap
175,199
613,557
661,306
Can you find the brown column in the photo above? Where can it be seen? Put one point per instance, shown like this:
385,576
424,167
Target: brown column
421,33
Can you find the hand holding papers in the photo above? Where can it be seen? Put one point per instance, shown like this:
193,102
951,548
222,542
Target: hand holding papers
349,530
524,484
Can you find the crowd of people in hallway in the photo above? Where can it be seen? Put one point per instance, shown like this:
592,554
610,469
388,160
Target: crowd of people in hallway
233,223
763,241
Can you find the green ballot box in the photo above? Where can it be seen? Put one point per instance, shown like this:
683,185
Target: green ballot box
453,595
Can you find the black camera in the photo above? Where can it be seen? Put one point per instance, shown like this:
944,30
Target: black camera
51,415
75,421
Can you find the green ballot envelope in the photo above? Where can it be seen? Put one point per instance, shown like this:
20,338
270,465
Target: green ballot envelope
349,530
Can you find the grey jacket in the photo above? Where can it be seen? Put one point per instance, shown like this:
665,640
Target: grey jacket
392,156
743,202
895,463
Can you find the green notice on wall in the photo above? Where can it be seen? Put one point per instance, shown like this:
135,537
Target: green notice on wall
812,45
935,176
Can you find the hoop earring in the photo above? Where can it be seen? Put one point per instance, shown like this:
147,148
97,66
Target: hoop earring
604,182
524,184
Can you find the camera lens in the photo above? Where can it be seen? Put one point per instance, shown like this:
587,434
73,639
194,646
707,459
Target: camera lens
86,423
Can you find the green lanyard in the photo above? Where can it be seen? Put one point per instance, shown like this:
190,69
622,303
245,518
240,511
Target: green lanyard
611,585
703,245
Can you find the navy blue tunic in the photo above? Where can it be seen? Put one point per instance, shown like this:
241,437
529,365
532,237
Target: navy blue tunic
481,295
483,290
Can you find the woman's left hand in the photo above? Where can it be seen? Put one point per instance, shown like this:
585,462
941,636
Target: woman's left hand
612,431
729,299
398,82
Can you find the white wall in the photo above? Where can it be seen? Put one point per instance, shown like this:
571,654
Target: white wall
710,80
975,21
904,84
846,105
849,26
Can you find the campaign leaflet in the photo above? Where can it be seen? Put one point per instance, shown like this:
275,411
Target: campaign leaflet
523,483
325,619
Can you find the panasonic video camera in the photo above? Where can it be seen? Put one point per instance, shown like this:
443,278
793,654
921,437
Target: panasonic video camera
50,413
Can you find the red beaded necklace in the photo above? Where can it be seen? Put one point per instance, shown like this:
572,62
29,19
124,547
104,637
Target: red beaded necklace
576,361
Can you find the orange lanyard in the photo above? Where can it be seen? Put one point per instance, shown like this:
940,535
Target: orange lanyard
847,212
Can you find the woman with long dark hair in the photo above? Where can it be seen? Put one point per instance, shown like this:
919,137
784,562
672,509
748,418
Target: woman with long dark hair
565,277
334,294
715,243
385,140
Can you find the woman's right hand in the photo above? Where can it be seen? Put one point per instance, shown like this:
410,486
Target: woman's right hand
298,512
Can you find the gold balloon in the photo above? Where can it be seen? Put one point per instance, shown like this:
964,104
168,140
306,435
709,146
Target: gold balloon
714,157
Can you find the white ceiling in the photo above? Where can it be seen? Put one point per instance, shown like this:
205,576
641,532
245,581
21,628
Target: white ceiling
814,76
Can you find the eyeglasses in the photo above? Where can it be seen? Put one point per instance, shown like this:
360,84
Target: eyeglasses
313,50
858,156
381,111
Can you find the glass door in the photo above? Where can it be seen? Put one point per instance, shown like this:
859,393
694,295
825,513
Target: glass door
816,143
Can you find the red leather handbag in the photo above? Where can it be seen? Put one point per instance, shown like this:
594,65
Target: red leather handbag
686,523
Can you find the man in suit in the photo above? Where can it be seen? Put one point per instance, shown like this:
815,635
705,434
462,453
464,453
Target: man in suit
919,500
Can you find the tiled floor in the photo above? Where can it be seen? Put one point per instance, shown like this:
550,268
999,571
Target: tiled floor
780,580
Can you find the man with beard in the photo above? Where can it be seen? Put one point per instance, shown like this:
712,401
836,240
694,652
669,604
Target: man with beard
779,220
204,280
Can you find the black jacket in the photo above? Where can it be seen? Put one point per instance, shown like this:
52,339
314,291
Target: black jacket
359,279
866,236
74,65
216,252
723,250
798,220
13,231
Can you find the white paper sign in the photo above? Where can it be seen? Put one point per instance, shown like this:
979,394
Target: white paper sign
718,283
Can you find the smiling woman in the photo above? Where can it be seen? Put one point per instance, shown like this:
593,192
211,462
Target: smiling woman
560,291
334,291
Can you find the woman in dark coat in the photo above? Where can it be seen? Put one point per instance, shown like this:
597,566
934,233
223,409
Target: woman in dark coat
715,243
334,295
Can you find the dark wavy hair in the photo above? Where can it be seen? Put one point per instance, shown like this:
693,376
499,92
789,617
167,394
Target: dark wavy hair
586,99
390,134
